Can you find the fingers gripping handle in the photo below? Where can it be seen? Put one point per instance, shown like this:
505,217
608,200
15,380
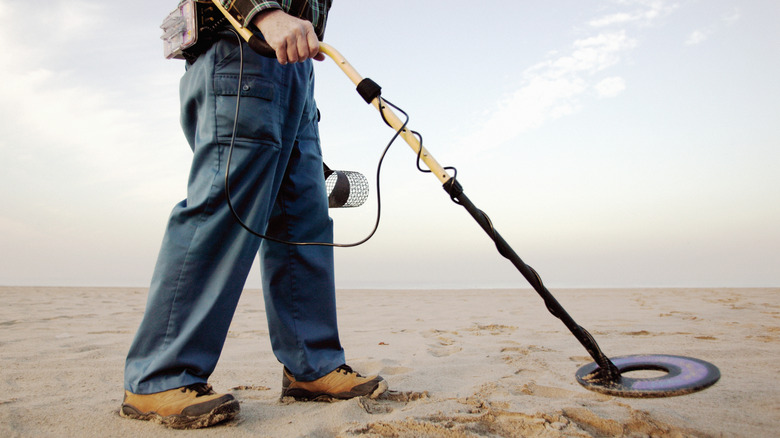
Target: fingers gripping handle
261,47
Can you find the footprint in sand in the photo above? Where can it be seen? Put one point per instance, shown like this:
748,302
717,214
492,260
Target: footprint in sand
251,392
390,400
443,344
388,367
393,371
637,423
535,390
638,333
682,315
443,350
491,329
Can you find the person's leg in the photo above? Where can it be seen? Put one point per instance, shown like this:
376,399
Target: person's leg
206,255
298,281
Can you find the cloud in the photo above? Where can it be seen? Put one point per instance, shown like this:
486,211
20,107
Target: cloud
552,89
46,116
590,55
75,19
613,19
610,87
63,129
701,35
647,11
731,17
696,37
557,87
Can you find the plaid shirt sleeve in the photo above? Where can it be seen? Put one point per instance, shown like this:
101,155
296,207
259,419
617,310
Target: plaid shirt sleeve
315,11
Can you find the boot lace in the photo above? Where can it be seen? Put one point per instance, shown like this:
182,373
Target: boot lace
347,370
200,388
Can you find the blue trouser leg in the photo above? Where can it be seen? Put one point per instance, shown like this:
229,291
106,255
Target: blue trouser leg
301,313
276,183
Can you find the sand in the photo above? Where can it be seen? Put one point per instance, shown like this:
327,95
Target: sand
462,363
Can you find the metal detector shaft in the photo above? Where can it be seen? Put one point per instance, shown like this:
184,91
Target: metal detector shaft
389,115
607,370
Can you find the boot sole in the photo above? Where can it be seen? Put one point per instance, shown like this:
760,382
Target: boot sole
223,412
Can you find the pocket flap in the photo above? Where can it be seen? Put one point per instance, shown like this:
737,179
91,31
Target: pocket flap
252,86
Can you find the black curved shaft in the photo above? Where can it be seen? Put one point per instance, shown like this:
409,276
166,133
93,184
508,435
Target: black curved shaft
607,371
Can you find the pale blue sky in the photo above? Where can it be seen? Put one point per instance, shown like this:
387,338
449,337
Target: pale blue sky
613,143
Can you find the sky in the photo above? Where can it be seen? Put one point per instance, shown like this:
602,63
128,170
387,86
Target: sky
613,143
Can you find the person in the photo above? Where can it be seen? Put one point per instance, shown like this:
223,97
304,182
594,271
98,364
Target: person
277,186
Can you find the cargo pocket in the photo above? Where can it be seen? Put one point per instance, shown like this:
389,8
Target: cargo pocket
259,117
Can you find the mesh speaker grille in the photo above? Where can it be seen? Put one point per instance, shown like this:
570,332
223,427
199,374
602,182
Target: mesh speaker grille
346,188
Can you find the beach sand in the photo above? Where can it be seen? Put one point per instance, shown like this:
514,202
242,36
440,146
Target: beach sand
462,363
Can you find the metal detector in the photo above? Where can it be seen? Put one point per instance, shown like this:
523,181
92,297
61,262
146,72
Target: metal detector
682,375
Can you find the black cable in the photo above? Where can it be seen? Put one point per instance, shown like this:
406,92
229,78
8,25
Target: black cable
419,157
230,155
419,139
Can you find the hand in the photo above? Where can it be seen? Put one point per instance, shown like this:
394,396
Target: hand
293,39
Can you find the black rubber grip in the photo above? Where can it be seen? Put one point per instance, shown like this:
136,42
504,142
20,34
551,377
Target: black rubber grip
261,47
369,90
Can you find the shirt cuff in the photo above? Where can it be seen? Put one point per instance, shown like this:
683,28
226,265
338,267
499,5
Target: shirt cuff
253,9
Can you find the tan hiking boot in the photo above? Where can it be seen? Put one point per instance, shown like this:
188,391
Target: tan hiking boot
189,407
341,383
